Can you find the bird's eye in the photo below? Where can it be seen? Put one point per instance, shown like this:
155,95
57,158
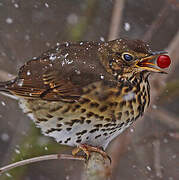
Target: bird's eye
127,57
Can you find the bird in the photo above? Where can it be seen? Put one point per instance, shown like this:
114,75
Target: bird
84,94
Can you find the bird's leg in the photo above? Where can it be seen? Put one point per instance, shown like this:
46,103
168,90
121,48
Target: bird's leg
87,149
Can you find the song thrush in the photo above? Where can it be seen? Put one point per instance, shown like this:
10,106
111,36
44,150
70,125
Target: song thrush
85,94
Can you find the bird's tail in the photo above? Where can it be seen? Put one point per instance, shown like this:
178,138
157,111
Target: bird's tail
4,89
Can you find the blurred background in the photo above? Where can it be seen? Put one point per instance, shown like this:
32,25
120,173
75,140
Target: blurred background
147,151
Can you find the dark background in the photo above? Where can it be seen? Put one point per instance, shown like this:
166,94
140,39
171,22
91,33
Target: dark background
150,149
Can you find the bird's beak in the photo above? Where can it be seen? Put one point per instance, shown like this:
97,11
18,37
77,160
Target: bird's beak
147,62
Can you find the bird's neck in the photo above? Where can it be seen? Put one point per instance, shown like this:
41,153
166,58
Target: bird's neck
130,78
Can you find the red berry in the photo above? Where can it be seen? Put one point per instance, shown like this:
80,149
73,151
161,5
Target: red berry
163,61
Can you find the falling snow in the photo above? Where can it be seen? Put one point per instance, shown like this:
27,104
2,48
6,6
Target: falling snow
9,20
148,168
47,5
52,57
77,71
8,175
72,19
127,26
4,137
102,76
102,39
16,5
154,106
20,82
28,73
67,44
3,103
17,151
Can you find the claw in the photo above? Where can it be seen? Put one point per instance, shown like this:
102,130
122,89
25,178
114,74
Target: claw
87,149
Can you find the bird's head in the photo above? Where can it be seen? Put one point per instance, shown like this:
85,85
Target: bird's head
123,57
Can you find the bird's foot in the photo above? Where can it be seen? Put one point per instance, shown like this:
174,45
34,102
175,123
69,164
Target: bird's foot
87,149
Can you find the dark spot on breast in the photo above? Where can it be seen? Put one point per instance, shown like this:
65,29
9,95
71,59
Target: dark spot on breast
60,118
139,99
82,118
81,133
96,116
77,106
59,141
68,139
112,132
119,115
113,104
107,119
72,122
132,119
137,116
101,117
49,116
105,134
52,130
120,125
97,136
89,114
122,104
68,129
78,140
42,119
59,125
107,125
127,113
83,110
103,108
127,121
132,112
84,101
93,130
98,125
88,121
94,104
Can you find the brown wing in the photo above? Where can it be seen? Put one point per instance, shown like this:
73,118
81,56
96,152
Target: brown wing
61,73
39,79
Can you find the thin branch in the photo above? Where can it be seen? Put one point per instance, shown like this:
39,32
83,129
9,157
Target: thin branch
116,19
158,22
38,159
157,164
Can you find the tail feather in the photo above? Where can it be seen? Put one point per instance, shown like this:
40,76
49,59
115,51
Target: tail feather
4,85
4,89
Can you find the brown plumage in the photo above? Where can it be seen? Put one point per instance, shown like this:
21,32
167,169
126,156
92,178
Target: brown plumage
86,92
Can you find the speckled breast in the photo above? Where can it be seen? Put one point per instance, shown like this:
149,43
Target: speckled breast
101,113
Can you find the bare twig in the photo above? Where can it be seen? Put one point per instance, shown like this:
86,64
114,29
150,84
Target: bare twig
157,165
116,19
38,159
158,21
